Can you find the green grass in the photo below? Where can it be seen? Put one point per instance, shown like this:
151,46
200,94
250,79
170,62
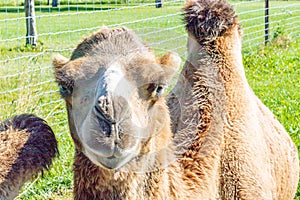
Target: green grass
26,84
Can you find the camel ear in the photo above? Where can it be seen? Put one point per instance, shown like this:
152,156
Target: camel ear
59,61
66,72
63,79
170,63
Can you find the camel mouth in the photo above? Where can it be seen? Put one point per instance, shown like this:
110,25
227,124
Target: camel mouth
110,162
102,143
112,158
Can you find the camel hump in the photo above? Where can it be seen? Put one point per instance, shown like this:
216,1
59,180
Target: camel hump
28,146
41,139
207,20
28,122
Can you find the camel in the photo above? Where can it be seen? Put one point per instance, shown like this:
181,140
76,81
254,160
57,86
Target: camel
27,147
223,143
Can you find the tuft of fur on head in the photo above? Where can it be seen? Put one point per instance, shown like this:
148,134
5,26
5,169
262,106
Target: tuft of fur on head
90,42
208,19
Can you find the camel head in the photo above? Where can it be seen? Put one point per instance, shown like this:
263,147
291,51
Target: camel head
114,88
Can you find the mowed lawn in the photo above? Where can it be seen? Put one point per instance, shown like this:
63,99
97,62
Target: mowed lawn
26,76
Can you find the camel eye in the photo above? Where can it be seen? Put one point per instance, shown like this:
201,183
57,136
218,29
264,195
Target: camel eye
155,88
159,89
64,91
152,91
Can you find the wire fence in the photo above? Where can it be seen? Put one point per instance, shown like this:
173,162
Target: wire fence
26,77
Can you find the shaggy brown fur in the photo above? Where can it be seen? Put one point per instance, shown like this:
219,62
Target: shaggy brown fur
27,147
228,144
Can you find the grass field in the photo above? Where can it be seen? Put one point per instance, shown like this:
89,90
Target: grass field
26,79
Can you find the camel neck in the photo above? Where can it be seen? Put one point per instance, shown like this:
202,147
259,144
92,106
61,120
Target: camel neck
226,54
197,110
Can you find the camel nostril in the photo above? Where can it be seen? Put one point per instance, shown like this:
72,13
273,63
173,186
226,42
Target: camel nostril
106,123
100,113
105,128
104,104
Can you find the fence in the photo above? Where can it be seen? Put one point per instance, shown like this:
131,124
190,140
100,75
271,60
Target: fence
26,80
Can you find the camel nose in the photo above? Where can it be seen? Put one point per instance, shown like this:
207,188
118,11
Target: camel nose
108,125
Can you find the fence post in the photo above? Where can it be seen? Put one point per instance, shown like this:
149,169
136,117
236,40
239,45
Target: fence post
158,3
54,3
31,32
266,21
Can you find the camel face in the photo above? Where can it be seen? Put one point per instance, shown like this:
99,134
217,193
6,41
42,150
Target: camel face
116,107
114,110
